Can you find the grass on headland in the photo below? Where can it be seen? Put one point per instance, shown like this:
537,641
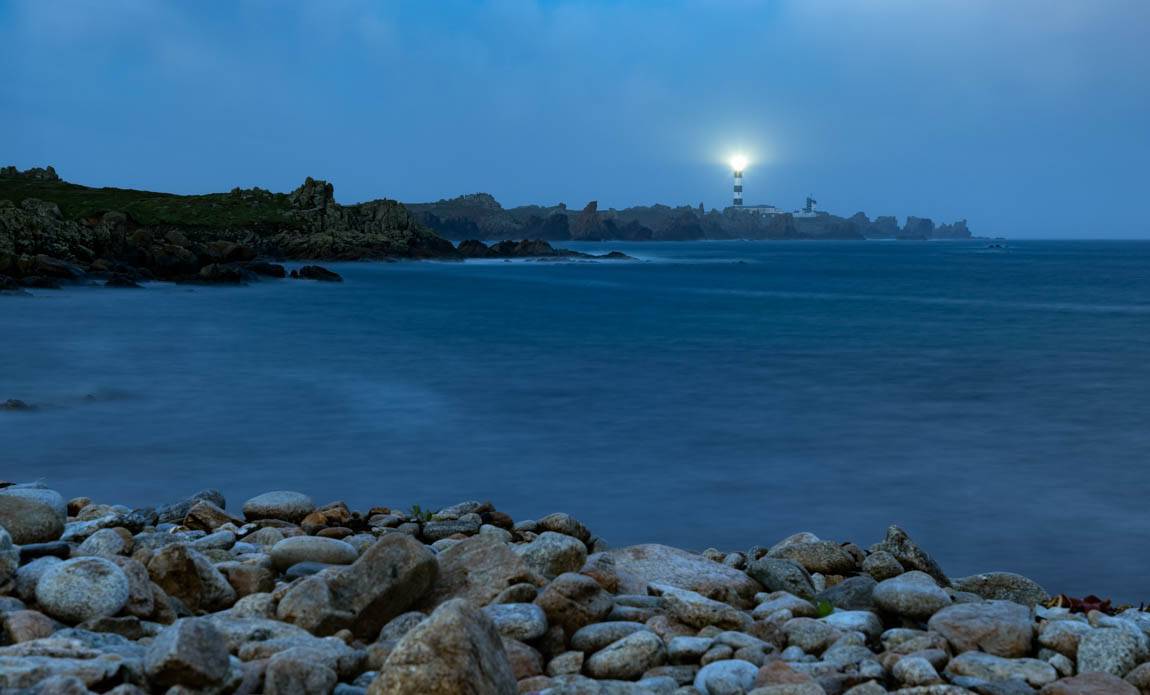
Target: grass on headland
247,208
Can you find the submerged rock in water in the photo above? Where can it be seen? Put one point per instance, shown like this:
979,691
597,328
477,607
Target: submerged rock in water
315,272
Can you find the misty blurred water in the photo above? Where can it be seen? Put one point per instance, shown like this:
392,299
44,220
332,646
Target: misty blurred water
725,394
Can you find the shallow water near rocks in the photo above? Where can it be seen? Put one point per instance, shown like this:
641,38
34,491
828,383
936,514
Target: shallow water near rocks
992,402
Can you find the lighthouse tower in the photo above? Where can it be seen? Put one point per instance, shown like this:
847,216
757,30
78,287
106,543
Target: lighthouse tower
738,163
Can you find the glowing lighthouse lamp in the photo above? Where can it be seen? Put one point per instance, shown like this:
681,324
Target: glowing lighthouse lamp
738,163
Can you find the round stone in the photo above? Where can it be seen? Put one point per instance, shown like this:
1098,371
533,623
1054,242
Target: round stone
595,636
330,551
81,589
520,621
32,514
728,677
279,504
1005,586
914,671
106,542
628,658
1002,628
1112,650
913,595
551,554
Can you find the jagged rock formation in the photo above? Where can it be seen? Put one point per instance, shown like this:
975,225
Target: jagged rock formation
958,230
480,216
527,248
54,228
917,228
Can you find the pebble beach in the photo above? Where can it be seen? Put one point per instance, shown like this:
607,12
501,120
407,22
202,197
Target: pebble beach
287,596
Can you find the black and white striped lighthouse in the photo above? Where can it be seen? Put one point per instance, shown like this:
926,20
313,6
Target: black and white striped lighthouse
738,163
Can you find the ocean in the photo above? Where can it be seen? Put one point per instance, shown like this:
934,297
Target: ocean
993,402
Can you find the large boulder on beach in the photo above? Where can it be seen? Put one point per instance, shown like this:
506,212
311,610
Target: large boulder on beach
698,611
455,651
32,673
912,595
309,603
279,504
574,600
175,512
388,579
520,621
32,514
551,554
1063,636
899,544
726,677
298,549
561,522
25,625
187,575
1091,684
627,658
781,574
1114,650
1005,586
141,594
825,557
479,569
208,516
1002,628
76,590
1035,672
299,671
190,653
641,565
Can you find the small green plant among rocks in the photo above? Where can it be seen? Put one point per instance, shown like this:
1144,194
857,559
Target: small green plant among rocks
420,514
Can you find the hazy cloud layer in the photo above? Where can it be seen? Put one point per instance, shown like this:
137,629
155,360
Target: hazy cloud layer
1029,117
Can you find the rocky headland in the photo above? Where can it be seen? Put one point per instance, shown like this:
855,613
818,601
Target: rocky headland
54,232
480,216
286,596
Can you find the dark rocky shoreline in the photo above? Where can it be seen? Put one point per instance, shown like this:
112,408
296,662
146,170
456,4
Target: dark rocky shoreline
54,233
480,216
285,596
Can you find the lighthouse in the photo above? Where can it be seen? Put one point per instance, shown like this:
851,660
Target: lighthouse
738,163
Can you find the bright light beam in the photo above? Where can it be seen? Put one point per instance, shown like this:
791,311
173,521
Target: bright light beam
738,162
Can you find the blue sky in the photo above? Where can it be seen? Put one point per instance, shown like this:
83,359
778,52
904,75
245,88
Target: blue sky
1027,117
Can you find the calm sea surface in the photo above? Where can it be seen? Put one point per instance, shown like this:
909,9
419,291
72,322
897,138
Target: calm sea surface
993,402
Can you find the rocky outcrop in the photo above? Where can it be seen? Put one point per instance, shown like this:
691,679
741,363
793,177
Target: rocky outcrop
883,227
526,248
957,230
33,174
60,231
479,216
917,228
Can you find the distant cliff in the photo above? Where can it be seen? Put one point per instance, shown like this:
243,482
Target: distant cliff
176,236
480,216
